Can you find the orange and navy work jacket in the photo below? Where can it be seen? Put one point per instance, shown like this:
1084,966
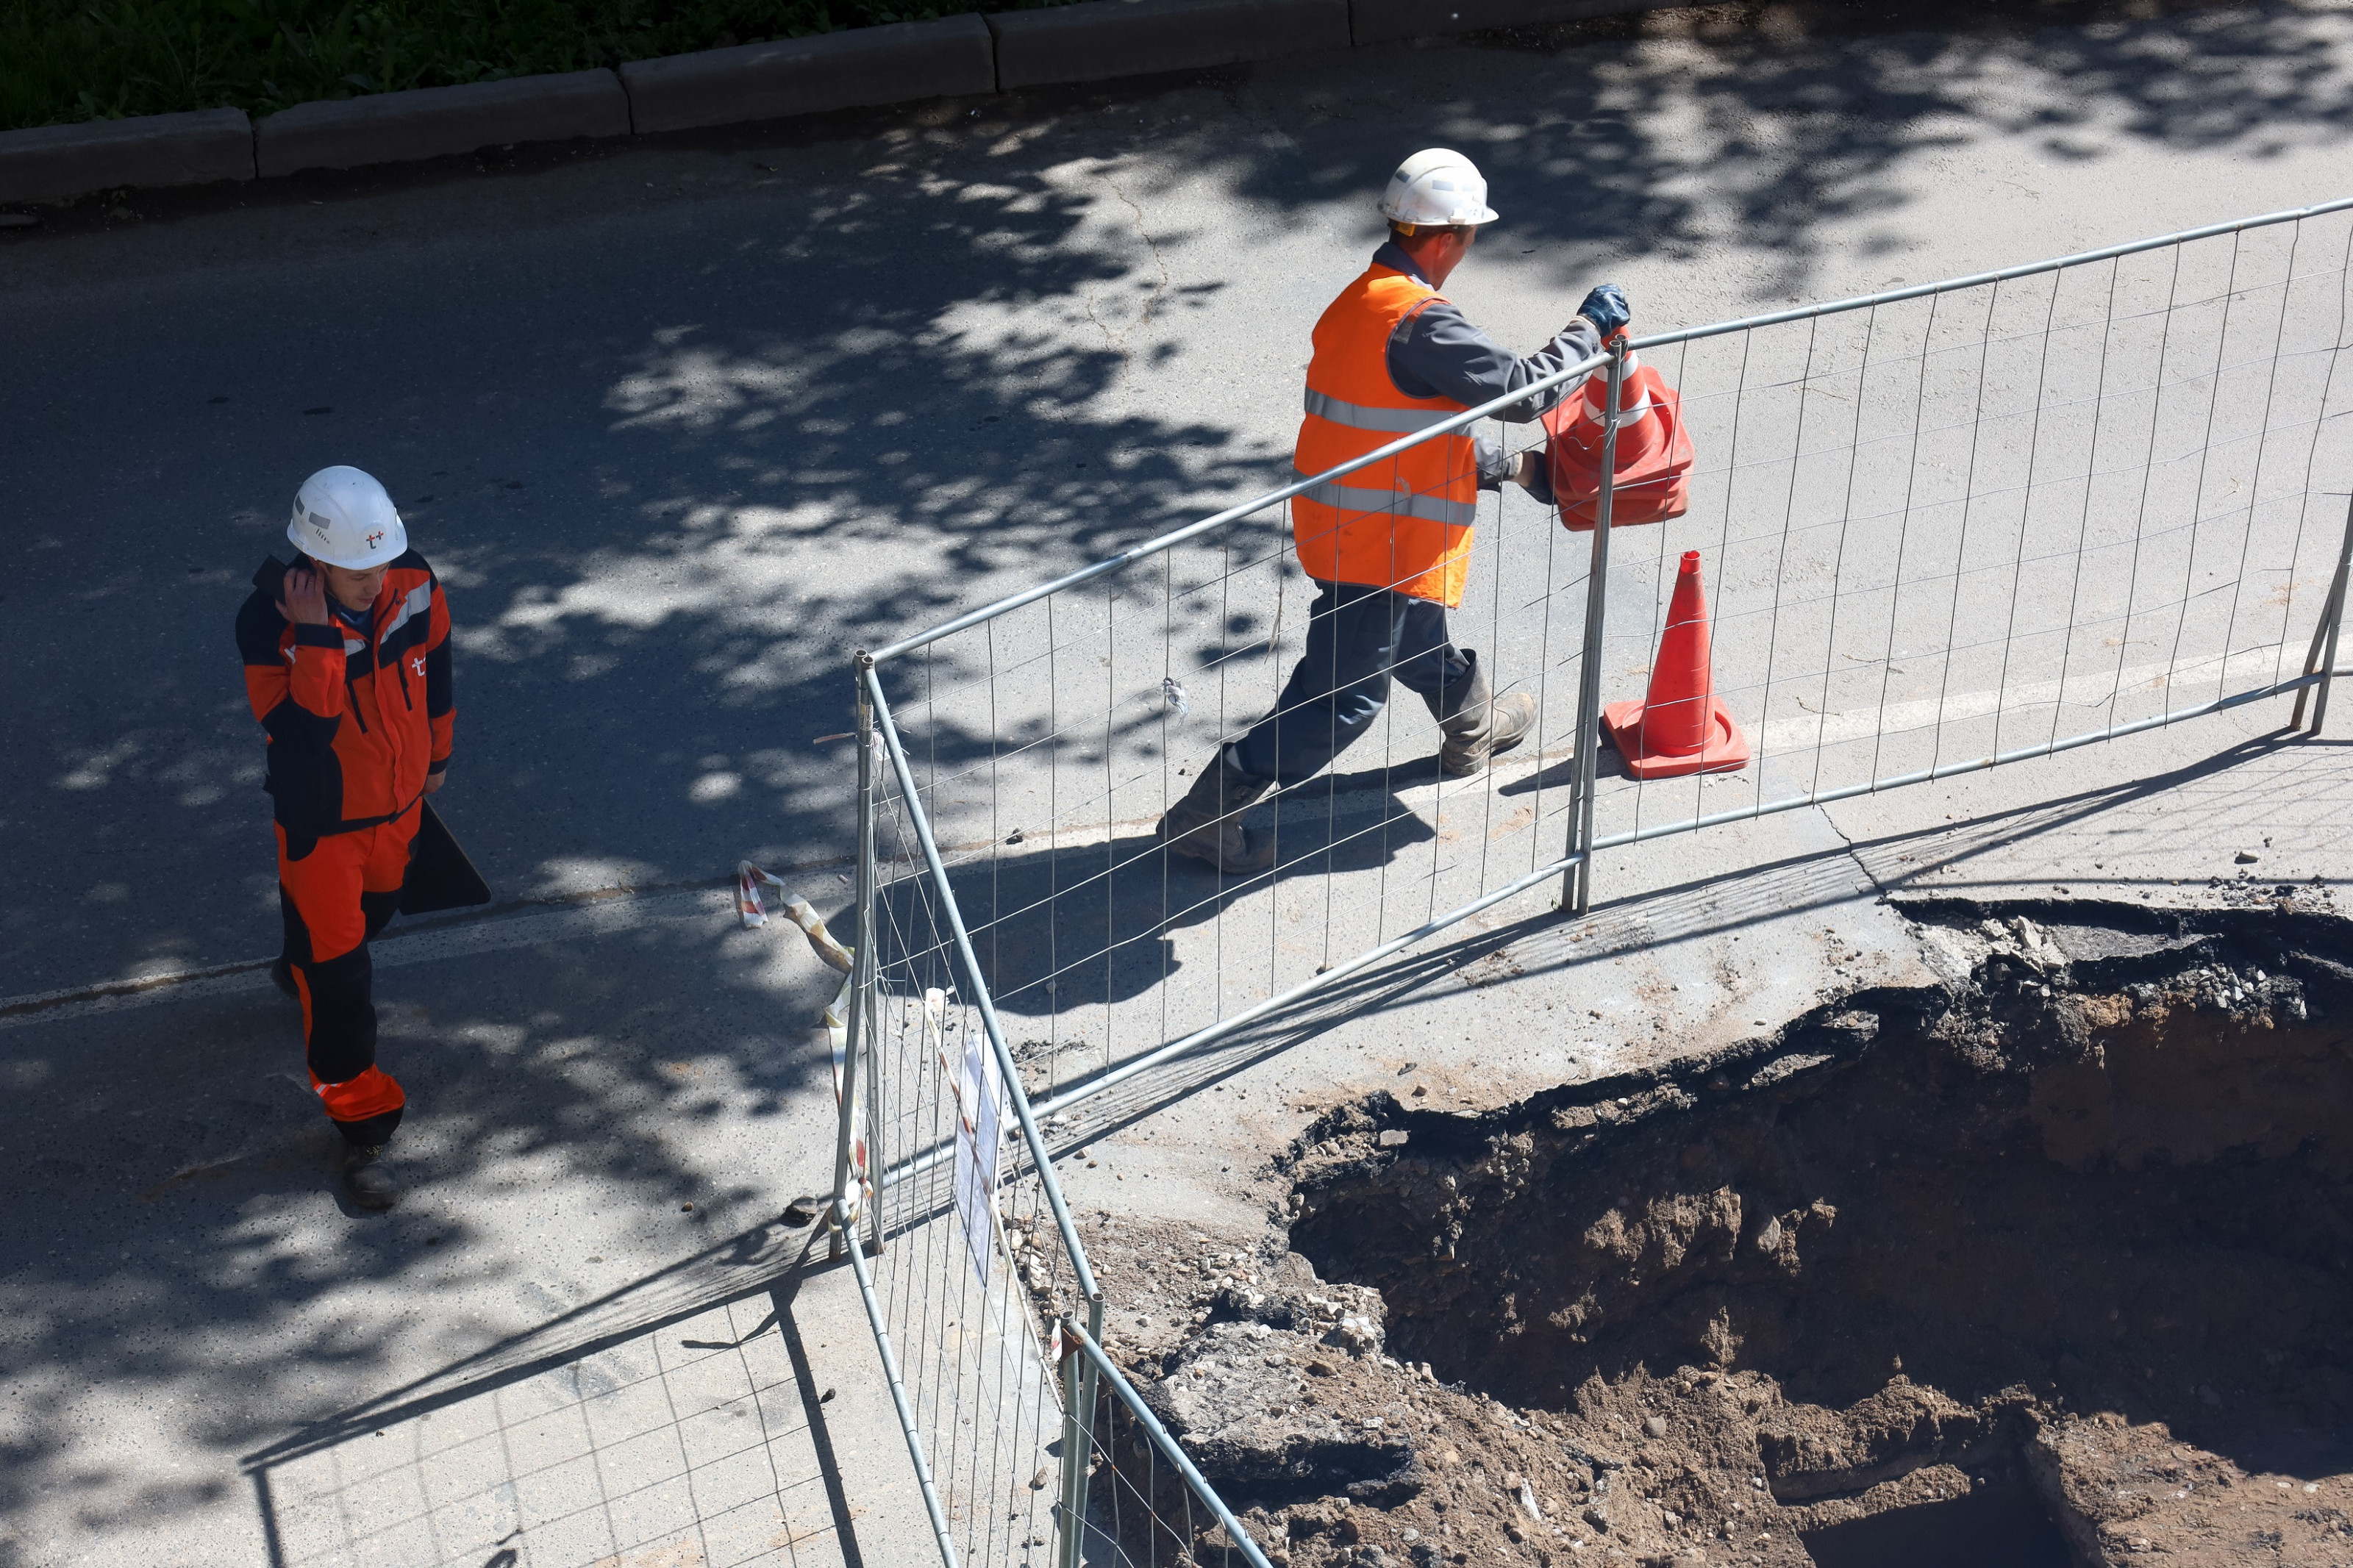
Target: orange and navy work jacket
353,724
1404,523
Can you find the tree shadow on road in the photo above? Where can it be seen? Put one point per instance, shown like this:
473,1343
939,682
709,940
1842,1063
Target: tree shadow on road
172,1246
678,462
827,390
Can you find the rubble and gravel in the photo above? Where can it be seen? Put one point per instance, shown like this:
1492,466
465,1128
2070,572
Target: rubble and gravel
2049,1265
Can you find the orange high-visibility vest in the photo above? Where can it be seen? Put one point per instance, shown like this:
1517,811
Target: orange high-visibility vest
1404,523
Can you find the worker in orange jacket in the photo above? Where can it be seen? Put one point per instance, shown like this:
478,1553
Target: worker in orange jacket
1388,546
347,666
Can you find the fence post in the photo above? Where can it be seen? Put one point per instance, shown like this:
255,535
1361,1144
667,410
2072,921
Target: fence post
1073,1520
861,988
1079,1394
1175,1453
1576,883
2324,635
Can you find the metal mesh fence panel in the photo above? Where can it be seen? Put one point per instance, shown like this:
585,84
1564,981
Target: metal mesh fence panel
974,1276
1938,528
2026,514
669,1421
961,1263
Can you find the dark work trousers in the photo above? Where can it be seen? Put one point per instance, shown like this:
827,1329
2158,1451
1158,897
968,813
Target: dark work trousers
1357,637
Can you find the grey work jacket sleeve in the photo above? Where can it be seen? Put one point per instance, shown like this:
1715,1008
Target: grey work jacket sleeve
1436,353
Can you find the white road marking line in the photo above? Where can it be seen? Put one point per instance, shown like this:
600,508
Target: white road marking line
1798,733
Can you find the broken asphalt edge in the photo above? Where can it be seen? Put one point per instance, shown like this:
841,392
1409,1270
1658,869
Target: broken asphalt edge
1842,1028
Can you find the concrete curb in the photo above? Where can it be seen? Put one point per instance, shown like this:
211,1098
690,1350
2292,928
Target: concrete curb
1094,40
1392,21
851,70
50,162
1103,39
435,122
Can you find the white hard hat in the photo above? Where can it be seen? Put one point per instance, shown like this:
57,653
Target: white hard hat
1439,187
342,517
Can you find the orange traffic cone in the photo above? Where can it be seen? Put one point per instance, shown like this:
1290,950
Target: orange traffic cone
1654,458
1681,726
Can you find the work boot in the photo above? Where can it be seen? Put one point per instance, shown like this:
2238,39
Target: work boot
1208,822
1478,724
281,974
366,1180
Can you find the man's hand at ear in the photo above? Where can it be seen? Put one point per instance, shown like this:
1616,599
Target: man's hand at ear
302,597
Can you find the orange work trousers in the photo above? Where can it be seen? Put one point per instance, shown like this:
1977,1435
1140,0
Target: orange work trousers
336,893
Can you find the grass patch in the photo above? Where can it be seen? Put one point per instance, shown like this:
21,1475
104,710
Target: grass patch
65,60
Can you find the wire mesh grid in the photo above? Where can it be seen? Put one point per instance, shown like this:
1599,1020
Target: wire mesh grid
1932,531
689,1443
1964,526
1938,529
967,1259
1045,764
977,1278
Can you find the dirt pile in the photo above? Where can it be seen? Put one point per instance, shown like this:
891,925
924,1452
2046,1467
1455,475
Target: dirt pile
2052,1265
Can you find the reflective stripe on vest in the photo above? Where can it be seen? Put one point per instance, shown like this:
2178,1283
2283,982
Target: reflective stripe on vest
1356,417
1342,496
1404,522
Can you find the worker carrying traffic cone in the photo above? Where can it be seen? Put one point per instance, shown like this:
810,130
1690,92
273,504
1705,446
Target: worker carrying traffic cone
1388,546
1681,726
1653,461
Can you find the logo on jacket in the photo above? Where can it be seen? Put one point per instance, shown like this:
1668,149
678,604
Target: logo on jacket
416,663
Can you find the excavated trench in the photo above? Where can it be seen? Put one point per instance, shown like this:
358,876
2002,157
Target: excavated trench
2050,1266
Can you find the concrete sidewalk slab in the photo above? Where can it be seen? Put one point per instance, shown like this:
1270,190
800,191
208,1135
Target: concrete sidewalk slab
684,1418
2161,819
436,122
1100,39
896,63
584,1324
49,162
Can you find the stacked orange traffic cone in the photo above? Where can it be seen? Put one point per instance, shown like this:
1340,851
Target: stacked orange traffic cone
1681,726
1653,457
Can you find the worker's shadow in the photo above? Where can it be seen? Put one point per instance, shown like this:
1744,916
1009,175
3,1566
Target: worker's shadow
1091,919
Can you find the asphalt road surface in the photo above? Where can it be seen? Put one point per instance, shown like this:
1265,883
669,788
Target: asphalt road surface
682,424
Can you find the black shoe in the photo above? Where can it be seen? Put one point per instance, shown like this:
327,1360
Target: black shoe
281,974
367,1181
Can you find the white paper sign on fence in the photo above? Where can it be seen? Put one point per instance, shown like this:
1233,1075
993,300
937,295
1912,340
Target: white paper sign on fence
978,1139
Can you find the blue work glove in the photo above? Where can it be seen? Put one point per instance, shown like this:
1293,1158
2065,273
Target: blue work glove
1606,309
